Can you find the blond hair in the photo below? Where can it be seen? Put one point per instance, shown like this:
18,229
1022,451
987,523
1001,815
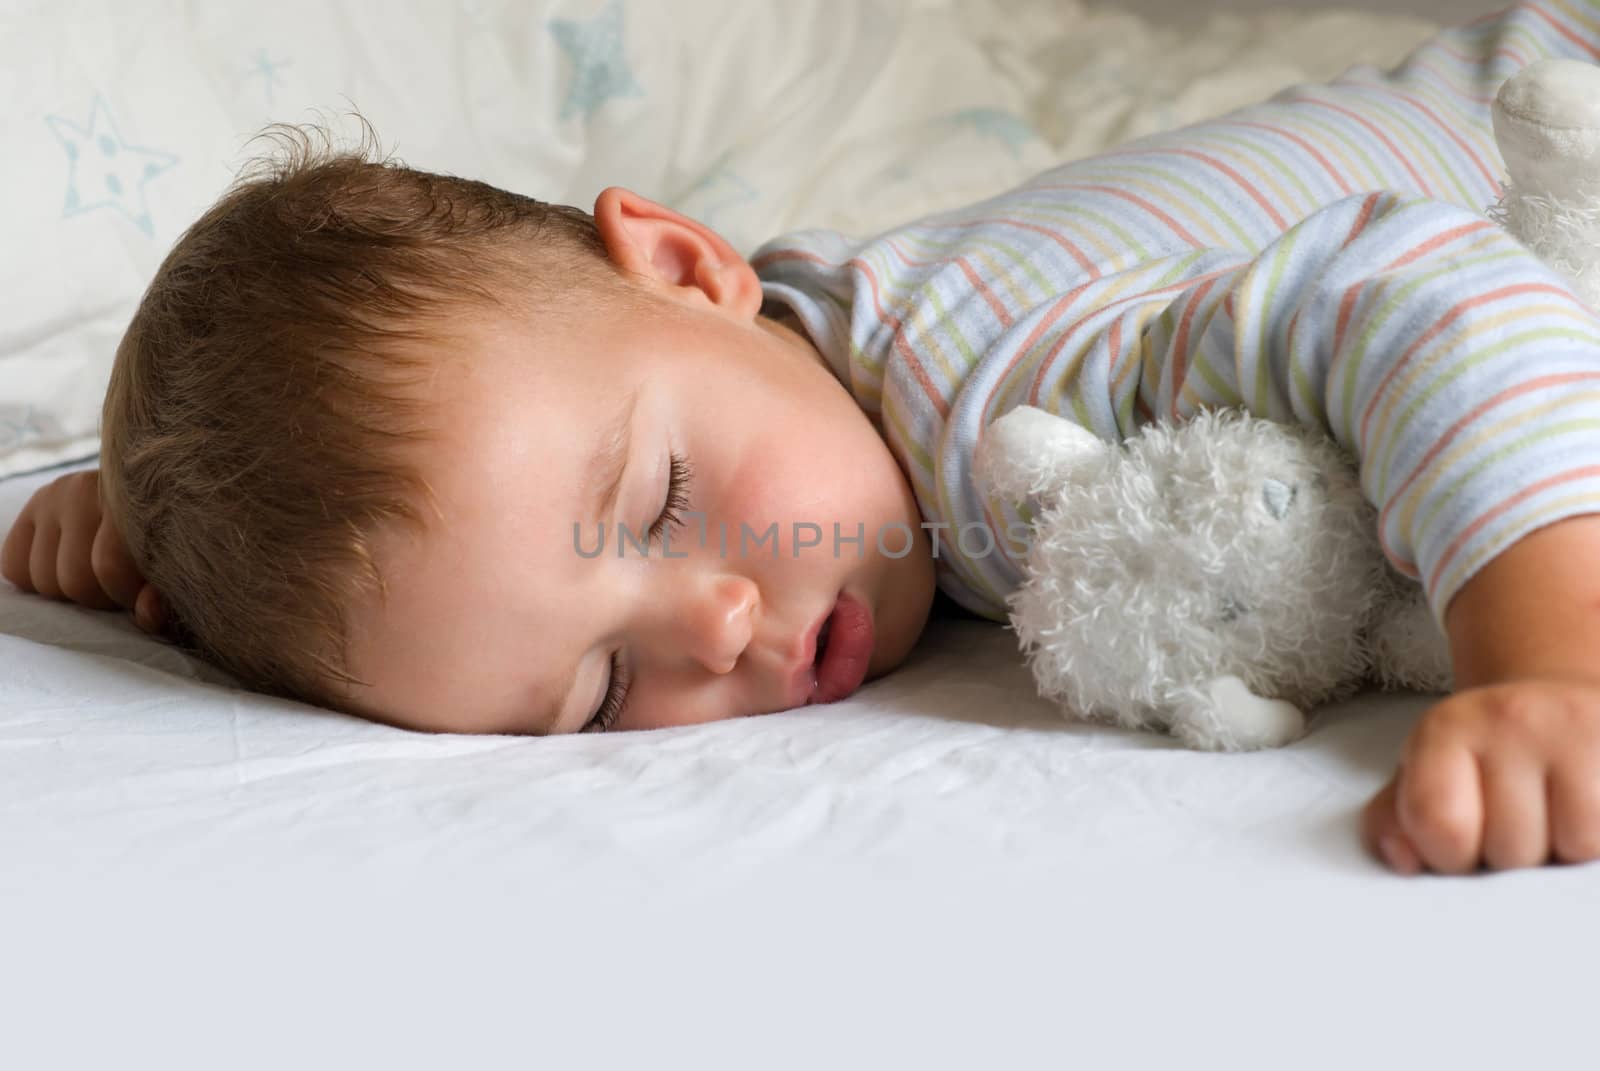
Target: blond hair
264,396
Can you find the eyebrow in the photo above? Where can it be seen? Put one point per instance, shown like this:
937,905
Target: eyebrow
601,486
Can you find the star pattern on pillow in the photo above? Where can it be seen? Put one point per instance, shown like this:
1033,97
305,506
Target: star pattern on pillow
266,69
19,424
1003,126
103,170
600,69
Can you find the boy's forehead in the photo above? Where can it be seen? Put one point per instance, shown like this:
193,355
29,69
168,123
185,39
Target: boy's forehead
532,370
504,424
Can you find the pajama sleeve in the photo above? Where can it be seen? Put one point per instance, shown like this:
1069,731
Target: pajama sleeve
1462,373
1318,258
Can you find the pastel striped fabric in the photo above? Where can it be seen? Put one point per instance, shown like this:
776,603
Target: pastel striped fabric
1323,258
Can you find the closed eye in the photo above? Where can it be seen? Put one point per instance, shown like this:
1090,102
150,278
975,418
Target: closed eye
677,501
615,703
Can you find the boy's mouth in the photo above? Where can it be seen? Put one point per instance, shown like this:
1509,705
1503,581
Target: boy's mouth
844,649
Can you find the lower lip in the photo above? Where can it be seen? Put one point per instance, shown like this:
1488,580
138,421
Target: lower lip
844,663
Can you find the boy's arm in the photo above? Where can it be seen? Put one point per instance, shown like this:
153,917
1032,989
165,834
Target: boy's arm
1533,611
1506,772
1460,369
63,547
1456,366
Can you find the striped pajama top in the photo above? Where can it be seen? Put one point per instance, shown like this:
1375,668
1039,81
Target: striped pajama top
1322,258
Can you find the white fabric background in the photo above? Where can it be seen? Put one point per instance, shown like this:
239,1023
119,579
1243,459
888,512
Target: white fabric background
124,121
937,873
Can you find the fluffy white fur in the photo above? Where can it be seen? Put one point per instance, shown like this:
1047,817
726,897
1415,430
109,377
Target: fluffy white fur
1213,578
1547,124
1219,578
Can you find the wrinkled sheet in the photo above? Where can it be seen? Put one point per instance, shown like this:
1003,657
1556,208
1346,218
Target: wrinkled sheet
219,877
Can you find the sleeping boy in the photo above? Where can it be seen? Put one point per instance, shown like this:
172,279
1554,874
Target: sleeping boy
443,456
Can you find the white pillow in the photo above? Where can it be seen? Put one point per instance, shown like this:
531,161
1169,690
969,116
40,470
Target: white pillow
123,122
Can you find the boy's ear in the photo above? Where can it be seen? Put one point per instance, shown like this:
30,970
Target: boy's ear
687,258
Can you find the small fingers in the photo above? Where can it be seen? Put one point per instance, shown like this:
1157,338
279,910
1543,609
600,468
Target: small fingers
75,574
113,567
1574,804
14,554
149,612
1382,834
1441,806
1516,829
42,559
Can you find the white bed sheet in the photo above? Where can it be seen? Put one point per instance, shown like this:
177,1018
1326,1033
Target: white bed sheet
939,872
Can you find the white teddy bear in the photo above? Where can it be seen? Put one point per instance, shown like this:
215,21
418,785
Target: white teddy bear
1214,578
1547,124
1221,577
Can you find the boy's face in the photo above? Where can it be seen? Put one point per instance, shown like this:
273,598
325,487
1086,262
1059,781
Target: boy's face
501,616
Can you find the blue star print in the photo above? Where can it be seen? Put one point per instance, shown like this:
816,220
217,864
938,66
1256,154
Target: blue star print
995,123
599,67
267,70
18,423
105,171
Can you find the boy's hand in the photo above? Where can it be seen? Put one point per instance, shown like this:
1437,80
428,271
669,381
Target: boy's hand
1506,772
62,548
1503,776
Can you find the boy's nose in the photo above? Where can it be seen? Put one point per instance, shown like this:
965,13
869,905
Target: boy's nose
714,620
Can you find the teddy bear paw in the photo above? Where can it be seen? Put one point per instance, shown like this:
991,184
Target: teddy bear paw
1547,126
1225,715
1030,452
1547,122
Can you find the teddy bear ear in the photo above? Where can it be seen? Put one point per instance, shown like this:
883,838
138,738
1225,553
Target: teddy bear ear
1028,451
1547,125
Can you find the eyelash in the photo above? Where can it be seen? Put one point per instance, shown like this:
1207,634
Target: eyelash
677,496
616,700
